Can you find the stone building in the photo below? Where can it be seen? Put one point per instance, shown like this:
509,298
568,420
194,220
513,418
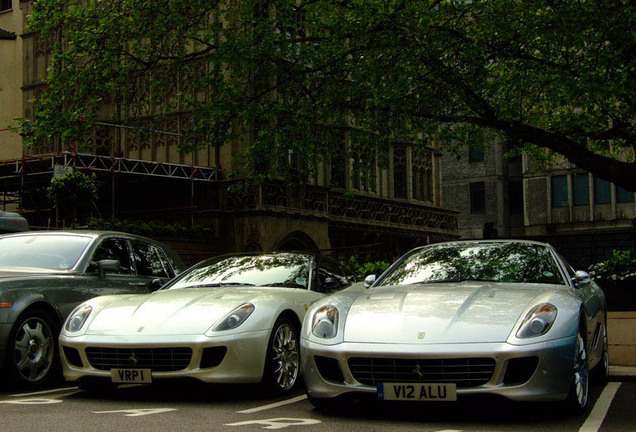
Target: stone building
583,216
378,215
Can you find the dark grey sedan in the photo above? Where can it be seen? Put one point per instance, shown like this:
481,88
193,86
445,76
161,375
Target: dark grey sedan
44,275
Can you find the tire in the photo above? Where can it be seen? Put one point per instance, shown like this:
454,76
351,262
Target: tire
282,362
601,370
33,351
579,388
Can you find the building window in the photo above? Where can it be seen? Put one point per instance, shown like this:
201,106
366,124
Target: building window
623,196
602,191
5,5
339,167
477,198
422,178
399,172
515,197
475,154
559,191
581,186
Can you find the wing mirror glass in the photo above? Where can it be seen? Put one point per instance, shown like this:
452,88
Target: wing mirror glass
369,280
107,266
581,278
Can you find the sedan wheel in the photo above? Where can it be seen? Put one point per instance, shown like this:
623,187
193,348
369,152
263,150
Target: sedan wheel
282,364
33,353
577,399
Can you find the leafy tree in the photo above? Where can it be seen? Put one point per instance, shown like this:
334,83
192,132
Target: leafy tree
298,77
71,191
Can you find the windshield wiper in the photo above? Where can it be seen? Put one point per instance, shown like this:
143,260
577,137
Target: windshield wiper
430,281
220,284
284,284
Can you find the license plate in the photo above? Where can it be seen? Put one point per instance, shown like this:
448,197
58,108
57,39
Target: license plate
135,376
417,391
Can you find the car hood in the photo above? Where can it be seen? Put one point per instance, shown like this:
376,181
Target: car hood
440,313
170,312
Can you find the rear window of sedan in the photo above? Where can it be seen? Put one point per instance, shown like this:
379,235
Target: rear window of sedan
53,252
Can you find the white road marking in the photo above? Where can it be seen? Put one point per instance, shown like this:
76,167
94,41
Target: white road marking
273,405
138,412
277,423
595,419
59,390
32,401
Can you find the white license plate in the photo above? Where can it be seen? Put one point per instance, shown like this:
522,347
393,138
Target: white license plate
134,376
417,391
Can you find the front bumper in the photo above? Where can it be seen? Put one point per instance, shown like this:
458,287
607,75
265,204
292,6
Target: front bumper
550,379
243,361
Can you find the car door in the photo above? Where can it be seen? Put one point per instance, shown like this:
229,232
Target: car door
151,265
332,277
124,280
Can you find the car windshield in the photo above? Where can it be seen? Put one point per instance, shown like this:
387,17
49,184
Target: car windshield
53,252
282,270
513,262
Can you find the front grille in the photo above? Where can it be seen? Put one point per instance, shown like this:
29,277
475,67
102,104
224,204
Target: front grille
157,359
470,372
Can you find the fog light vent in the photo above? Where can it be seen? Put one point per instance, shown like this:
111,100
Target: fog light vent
329,369
520,370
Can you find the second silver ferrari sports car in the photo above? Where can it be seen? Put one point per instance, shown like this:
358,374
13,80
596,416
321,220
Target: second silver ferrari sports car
507,318
230,319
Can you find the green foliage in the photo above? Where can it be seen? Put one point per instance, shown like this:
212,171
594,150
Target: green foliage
73,190
619,267
301,79
362,270
152,228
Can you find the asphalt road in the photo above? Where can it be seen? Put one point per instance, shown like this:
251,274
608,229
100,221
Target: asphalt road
186,407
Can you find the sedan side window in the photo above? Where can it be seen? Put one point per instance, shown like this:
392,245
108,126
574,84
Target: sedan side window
148,260
331,277
112,249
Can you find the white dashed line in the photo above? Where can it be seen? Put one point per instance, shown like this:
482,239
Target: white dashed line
273,405
595,419
59,390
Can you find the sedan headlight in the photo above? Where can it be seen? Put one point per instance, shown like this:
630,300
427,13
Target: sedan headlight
235,318
325,322
78,317
538,321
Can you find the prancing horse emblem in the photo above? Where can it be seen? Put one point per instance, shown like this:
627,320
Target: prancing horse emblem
418,371
133,359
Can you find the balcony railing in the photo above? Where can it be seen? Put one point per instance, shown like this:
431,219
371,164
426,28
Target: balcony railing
337,206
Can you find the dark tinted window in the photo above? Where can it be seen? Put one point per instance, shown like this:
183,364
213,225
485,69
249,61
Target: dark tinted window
602,191
113,249
332,277
475,154
477,198
623,195
581,190
148,260
559,191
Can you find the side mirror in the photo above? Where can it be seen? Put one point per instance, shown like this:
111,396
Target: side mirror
369,280
581,278
155,284
105,266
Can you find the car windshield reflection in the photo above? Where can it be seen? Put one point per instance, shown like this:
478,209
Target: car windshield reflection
275,270
491,262
53,252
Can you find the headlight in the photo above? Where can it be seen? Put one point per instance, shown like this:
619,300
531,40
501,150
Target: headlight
235,318
538,321
325,322
78,317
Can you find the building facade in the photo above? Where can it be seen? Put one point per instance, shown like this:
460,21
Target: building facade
583,216
377,214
